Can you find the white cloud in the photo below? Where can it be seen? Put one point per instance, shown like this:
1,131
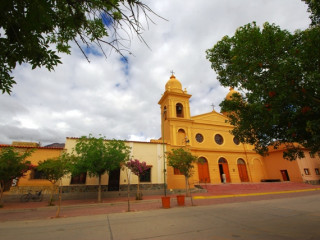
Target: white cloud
117,100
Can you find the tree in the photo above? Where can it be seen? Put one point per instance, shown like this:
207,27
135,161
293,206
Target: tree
139,169
277,73
35,32
13,164
98,156
314,10
183,161
53,170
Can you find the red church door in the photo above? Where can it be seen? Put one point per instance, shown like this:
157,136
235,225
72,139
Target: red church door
243,174
203,171
224,169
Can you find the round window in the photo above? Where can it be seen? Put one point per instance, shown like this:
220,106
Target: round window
236,141
199,137
218,138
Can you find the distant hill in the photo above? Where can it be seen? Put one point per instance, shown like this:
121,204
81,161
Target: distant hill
56,145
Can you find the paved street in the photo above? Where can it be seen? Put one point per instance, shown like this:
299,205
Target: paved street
297,217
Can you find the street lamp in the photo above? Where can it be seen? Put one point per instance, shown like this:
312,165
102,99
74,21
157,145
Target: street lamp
164,158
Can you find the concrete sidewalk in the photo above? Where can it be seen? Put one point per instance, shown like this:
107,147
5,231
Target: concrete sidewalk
216,194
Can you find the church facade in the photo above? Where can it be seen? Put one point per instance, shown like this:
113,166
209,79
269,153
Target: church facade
224,158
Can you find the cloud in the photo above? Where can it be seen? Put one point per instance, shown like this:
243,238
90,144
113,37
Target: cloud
118,99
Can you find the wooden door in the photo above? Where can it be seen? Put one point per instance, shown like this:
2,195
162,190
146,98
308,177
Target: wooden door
243,174
203,171
285,175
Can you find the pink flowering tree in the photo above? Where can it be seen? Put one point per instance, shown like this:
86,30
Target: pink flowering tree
137,168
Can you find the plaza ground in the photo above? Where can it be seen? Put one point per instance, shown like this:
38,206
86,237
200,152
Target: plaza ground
286,214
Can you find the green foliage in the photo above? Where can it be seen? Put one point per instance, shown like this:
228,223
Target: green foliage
98,156
181,160
314,10
55,168
13,164
34,31
278,74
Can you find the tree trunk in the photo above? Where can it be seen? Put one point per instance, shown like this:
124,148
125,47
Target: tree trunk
138,190
1,192
128,190
99,189
52,192
59,202
187,185
188,192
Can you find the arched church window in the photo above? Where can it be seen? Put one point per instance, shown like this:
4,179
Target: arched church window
179,110
181,138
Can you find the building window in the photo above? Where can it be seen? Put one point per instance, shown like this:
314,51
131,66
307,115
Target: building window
176,171
199,137
146,177
219,139
236,141
165,113
317,171
179,110
306,171
79,179
37,174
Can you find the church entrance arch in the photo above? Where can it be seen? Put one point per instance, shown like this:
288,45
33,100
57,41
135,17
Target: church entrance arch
224,169
203,170
242,168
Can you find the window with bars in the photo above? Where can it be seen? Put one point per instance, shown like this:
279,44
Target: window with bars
79,179
146,177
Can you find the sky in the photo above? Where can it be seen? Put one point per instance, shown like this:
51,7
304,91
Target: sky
118,99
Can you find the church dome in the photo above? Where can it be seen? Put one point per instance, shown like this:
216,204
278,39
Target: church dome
173,85
232,91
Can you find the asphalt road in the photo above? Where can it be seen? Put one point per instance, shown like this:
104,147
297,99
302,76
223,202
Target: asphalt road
286,218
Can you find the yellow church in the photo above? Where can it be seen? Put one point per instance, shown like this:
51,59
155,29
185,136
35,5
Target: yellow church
224,158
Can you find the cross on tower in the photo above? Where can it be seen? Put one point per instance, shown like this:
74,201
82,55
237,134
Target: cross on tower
212,105
172,72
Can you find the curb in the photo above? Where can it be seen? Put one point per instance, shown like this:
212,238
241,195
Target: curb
254,194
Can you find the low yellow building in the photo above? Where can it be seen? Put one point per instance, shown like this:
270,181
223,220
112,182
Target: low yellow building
33,179
151,153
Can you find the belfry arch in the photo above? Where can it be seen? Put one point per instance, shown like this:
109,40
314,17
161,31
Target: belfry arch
179,110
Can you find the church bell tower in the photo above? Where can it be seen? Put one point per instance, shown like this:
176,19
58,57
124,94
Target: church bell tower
175,109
